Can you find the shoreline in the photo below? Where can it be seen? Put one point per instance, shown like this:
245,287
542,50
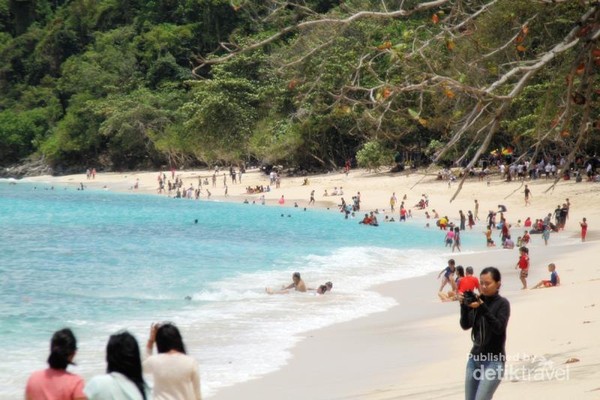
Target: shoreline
325,357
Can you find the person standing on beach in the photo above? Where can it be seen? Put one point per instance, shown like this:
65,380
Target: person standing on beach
523,265
584,227
463,220
312,198
393,201
546,234
470,219
476,213
487,316
55,383
527,196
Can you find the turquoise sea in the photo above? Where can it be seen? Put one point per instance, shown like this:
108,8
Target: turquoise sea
99,262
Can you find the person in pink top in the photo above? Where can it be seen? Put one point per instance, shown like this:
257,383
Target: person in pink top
55,383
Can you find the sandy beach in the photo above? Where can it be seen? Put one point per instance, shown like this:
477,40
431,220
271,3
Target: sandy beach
417,350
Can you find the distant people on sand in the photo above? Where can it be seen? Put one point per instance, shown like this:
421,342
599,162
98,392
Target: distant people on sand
55,383
176,375
528,196
123,379
487,316
553,281
297,284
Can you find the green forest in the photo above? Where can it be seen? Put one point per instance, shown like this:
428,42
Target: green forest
131,84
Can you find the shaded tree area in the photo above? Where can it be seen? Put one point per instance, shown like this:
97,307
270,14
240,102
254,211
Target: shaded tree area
311,83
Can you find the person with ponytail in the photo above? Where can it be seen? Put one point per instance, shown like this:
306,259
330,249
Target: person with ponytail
123,379
55,383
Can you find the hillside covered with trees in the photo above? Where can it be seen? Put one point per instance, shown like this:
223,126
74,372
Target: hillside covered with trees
125,84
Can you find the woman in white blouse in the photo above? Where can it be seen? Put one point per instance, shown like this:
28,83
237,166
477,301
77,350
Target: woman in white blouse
176,375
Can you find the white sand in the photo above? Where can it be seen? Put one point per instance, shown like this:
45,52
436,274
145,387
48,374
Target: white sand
417,349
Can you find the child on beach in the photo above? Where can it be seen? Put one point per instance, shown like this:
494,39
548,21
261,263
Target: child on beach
452,293
448,275
584,227
546,234
526,238
488,236
523,265
554,278
449,238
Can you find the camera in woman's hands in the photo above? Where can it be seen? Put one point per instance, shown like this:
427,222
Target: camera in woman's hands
469,297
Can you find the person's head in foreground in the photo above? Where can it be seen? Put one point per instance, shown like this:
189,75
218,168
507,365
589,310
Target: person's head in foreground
296,277
469,271
490,281
63,347
168,338
123,356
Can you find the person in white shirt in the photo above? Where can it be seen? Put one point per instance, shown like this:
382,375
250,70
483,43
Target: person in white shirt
176,375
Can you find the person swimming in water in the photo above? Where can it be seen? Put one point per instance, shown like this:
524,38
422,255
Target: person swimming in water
297,284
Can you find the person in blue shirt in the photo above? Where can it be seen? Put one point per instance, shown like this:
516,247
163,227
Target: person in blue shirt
554,278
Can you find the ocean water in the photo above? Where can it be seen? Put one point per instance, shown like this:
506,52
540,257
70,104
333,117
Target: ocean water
100,262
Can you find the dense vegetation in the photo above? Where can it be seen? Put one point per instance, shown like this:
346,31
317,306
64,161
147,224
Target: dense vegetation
124,84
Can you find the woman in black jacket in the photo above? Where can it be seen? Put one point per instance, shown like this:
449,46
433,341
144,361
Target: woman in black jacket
487,317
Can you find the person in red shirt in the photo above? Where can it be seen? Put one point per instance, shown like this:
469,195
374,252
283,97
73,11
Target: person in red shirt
526,238
584,227
469,282
523,265
366,220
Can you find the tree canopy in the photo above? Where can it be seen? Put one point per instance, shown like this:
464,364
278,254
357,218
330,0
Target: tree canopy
311,83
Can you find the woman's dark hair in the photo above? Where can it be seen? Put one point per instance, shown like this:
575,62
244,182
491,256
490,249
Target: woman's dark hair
492,271
123,355
62,347
168,338
460,271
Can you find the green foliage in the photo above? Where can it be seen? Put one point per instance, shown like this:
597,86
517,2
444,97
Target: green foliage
373,155
221,116
110,82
